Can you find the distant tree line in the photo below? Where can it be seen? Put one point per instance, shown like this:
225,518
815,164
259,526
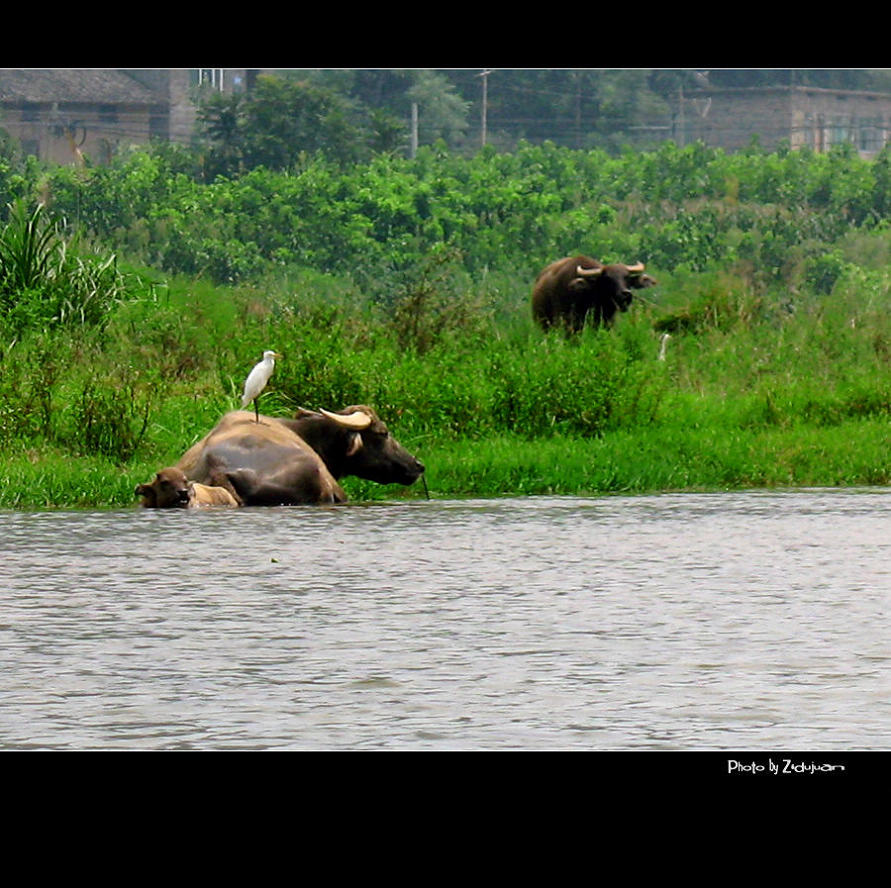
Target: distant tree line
352,114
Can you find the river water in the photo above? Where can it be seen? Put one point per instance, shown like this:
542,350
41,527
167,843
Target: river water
754,621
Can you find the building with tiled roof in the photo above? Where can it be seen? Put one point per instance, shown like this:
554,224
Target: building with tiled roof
63,115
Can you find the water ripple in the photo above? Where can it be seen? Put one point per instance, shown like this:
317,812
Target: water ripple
718,621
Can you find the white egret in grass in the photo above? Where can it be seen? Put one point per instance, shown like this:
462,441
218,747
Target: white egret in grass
257,379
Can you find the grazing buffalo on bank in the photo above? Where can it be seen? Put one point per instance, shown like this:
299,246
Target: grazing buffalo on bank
298,461
571,289
170,489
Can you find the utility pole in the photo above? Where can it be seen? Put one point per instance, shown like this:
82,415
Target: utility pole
413,150
681,122
485,110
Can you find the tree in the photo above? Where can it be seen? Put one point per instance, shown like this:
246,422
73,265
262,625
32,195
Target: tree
220,118
285,118
289,116
442,112
277,122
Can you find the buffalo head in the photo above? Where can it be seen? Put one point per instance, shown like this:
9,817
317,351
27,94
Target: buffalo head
355,441
169,489
607,286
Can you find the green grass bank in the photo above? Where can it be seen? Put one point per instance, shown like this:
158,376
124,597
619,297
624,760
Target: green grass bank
755,390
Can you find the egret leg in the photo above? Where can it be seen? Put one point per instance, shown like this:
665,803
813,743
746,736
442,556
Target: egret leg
256,411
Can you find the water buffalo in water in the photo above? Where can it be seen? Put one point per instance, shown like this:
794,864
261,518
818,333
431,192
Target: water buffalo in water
570,289
170,489
279,461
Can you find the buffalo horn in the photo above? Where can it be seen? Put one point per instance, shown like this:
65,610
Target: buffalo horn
636,269
581,271
357,420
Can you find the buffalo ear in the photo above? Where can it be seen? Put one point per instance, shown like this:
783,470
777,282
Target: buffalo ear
578,285
355,444
147,492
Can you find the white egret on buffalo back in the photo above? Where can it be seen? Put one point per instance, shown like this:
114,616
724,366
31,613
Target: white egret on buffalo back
257,379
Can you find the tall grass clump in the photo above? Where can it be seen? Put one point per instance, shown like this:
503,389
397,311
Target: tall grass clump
44,283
